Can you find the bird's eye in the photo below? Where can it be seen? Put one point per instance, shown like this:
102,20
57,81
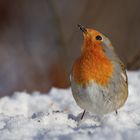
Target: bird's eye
98,37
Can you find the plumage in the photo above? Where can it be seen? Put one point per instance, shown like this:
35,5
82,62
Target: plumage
98,79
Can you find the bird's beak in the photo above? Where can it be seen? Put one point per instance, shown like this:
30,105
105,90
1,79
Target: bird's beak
82,28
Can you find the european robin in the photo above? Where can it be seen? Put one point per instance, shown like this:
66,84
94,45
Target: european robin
98,79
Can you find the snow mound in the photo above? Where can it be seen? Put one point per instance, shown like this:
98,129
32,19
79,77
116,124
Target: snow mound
56,117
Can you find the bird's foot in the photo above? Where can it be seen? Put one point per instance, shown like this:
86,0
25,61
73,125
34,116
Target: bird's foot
83,114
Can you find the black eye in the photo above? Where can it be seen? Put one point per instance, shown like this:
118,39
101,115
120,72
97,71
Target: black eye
98,37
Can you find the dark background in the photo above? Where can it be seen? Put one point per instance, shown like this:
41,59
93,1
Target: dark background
39,39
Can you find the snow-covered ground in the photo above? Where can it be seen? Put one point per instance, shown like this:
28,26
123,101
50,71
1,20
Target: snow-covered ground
55,117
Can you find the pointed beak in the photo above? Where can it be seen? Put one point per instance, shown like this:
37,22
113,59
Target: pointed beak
82,28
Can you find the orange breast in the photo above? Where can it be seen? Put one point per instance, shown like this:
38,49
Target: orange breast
93,65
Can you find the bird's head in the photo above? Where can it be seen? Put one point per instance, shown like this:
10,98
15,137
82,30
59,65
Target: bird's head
93,39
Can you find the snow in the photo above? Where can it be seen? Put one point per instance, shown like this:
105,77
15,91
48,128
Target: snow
55,116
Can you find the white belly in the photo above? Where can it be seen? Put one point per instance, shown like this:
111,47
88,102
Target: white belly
94,99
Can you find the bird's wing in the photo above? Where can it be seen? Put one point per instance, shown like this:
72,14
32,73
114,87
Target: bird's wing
123,72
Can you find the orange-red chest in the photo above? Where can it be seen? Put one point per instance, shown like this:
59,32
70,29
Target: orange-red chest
92,65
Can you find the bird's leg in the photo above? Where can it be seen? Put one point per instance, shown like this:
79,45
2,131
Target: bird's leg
116,112
83,114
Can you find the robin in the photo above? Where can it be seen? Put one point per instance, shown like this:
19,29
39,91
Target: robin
98,79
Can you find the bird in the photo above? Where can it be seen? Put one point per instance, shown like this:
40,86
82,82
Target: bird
98,78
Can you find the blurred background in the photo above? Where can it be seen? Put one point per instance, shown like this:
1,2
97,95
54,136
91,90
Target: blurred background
39,39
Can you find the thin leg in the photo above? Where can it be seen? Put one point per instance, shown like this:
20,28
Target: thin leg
116,112
83,114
